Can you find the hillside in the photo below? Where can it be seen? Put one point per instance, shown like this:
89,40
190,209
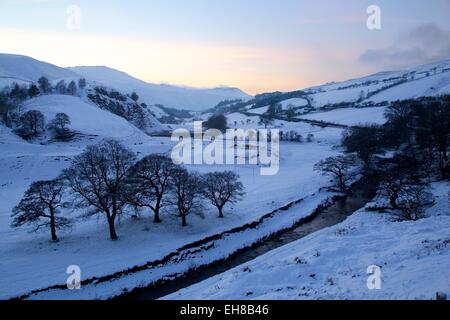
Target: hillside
170,96
425,80
377,89
332,263
26,69
85,118
371,91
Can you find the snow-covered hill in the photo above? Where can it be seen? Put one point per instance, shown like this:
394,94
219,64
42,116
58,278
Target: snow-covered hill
17,68
377,89
85,118
425,80
23,69
169,96
122,105
350,116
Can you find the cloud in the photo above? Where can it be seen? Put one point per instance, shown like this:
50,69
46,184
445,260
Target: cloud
426,43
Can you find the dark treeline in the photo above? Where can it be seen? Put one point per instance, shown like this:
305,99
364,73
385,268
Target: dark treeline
415,143
106,180
32,124
260,100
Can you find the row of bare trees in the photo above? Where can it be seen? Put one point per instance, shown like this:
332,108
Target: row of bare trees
106,180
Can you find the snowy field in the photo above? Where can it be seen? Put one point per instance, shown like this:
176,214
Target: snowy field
428,86
30,261
332,264
350,116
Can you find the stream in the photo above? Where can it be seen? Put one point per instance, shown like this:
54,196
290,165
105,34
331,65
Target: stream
342,208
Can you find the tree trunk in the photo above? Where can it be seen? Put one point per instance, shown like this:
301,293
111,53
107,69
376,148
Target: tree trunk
443,160
157,219
53,225
221,212
342,185
112,229
393,200
183,219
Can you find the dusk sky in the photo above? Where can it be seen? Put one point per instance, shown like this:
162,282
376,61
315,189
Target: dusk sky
255,45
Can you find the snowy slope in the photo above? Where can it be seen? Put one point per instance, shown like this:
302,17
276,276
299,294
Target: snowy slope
8,137
86,118
370,91
350,116
332,264
17,68
428,86
120,104
167,95
294,102
425,80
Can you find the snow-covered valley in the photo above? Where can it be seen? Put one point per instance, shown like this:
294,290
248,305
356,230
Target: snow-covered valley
334,263
329,264
87,244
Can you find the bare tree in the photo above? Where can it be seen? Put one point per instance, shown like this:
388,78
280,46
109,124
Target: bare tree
31,123
150,181
397,176
40,206
44,85
439,130
187,190
399,115
273,110
60,122
365,141
221,188
72,88
82,83
98,179
414,200
290,112
33,91
61,87
59,128
341,168
265,120
134,96
218,122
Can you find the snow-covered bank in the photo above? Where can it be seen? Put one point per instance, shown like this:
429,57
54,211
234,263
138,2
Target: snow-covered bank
185,259
332,264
